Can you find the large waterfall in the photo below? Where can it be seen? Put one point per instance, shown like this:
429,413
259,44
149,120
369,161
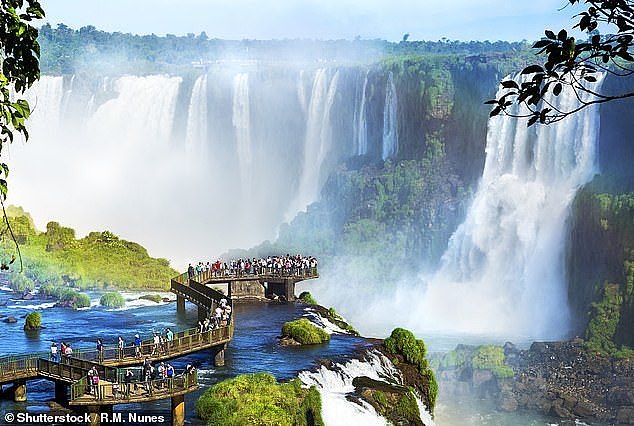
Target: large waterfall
188,165
390,120
503,272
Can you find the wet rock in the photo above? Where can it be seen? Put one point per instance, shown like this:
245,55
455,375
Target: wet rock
625,416
288,341
10,320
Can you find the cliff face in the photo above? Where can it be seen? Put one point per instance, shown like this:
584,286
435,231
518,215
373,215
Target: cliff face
600,251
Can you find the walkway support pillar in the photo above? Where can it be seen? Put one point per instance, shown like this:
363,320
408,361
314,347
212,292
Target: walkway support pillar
19,390
180,304
202,313
61,393
219,355
178,410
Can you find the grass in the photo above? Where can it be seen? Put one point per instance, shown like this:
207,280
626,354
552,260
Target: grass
305,332
257,399
307,298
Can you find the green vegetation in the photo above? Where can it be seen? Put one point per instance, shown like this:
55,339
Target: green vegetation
20,283
601,265
101,260
307,298
404,343
112,300
407,408
257,399
338,320
65,295
19,57
33,321
491,358
305,332
156,298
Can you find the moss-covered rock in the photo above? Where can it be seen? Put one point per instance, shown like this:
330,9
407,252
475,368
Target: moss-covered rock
257,399
395,403
112,300
304,332
33,321
409,355
156,298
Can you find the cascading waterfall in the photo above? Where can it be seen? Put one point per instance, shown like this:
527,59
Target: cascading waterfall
335,383
196,131
45,100
318,139
241,120
361,127
503,272
390,120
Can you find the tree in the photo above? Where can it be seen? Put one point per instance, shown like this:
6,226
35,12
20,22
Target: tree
575,65
19,60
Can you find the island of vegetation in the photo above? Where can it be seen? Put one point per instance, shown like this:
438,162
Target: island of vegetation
303,332
56,260
112,300
33,321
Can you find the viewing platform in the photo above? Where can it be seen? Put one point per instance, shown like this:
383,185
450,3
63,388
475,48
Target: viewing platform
70,372
266,284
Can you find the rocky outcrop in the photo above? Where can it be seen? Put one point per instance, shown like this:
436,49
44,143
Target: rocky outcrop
394,402
558,379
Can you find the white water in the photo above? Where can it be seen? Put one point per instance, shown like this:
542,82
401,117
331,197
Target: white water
390,120
503,272
361,127
334,384
241,119
196,132
318,140
137,156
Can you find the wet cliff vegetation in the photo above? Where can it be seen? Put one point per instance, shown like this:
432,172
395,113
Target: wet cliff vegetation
56,259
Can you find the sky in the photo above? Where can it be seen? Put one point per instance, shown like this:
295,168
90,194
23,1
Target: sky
511,20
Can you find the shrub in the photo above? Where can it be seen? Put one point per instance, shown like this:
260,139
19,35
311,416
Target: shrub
305,332
112,300
156,298
407,407
81,300
257,399
491,358
33,321
307,298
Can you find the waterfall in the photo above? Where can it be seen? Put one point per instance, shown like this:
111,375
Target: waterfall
335,383
390,120
241,120
503,272
318,140
361,127
196,131
46,100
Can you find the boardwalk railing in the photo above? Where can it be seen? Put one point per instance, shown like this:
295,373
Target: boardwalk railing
258,272
70,369
16,365
185,341
117,392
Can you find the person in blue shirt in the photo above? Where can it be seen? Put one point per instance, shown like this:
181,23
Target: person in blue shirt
137,346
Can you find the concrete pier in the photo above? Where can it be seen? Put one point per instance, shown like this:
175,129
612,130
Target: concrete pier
219,355
178,410
19,390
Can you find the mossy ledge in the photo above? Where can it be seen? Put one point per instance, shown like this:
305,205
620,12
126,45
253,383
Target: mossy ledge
304,332
408,354
258,399
394,402
328,313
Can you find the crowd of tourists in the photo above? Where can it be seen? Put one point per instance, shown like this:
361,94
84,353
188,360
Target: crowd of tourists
278,265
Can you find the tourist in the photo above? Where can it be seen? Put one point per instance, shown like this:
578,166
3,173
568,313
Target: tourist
190,271
100,350
156,341
218,315
69,350
95,382
200,326
129,376
137,346
120,345
169,371
161,374
63,348
169,335
54,352
147,374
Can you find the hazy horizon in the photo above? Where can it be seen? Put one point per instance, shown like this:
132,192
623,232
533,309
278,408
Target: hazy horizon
461,20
